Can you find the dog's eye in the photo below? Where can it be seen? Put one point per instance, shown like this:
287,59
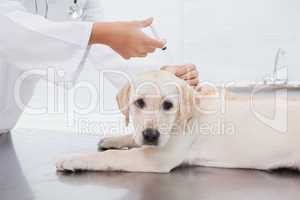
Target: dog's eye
167,105
140,103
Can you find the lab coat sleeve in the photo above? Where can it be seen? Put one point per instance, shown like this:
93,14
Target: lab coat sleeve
31,41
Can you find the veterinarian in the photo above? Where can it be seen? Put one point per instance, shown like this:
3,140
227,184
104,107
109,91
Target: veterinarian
38,34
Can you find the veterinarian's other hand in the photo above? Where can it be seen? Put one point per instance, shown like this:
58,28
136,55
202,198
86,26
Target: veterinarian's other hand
126,38
187,72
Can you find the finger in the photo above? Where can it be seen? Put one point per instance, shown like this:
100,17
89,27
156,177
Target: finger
144,50
193,82
182,70
147,22
154,42
126,57
169,68
142,55
137,53
190,75
150,49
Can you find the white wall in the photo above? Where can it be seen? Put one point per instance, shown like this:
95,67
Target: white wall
237,39
227,39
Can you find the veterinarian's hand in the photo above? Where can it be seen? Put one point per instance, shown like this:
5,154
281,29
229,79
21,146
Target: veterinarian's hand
126,38
187,72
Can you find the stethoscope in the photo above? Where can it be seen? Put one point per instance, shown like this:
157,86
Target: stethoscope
75,10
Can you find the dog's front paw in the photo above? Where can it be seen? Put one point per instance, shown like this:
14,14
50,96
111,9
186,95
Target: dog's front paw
109,143
72,163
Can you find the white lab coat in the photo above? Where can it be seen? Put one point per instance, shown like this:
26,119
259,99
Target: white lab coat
29,41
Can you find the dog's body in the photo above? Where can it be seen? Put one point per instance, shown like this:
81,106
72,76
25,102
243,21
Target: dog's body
196,132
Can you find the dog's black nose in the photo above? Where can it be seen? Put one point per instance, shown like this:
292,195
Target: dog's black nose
151,136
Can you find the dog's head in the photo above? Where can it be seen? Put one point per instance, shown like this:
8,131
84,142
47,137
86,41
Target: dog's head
157,103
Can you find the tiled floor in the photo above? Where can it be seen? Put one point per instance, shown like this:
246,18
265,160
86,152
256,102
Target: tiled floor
27,172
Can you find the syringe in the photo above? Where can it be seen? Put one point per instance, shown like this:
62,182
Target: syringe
155,34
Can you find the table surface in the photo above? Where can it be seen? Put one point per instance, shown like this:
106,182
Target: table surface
27,172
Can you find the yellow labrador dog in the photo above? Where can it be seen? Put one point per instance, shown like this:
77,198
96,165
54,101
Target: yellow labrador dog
174,125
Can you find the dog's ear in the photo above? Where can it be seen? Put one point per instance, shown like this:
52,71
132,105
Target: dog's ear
186,102
123,101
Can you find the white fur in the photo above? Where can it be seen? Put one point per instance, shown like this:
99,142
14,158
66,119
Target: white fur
243,142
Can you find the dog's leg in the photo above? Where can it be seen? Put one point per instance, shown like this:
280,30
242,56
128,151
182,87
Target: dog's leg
117,142
144,159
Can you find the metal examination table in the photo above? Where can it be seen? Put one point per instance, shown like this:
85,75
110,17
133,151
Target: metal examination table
27,172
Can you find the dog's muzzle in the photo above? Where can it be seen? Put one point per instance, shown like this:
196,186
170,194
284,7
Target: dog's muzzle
150,136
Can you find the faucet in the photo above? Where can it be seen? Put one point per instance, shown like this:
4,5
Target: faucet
280,75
